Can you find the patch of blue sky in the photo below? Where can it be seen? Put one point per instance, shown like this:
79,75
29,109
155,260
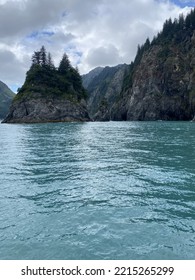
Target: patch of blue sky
184,3
69,47
78,60
40,34
72,51
14,87
78,53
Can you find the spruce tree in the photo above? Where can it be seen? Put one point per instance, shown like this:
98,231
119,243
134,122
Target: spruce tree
64,65
36,58
76,79
43,56
50,62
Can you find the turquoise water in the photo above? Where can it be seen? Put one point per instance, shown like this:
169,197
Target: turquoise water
115,190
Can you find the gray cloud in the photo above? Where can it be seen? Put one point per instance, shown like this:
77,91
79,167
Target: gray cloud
21,17
11,69
103,56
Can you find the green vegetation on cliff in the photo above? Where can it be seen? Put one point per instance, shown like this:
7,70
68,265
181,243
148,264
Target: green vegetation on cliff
49,94
174,37
44,78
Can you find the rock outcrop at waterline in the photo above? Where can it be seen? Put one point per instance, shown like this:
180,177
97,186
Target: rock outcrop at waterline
38,109
49,94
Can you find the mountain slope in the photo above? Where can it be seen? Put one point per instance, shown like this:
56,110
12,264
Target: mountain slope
104,87
89,77
6,97
160,84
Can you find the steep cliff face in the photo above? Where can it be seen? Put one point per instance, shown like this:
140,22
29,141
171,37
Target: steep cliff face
158,85
161,82
6,97
104,90
162,89
49,94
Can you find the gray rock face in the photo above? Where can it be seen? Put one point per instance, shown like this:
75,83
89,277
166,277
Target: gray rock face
163,88
39,109
104,90
6,97
88,78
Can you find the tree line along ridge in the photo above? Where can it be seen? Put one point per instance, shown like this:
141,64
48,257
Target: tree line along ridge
44,78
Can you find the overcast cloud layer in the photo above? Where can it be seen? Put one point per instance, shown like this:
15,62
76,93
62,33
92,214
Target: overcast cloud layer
92,32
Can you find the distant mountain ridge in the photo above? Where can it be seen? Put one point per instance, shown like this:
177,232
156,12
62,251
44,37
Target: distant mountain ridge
6,97
104,86
88,78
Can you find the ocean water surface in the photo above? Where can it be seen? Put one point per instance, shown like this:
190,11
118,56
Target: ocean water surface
114,190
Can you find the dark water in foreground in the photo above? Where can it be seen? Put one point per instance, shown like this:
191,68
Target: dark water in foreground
116,190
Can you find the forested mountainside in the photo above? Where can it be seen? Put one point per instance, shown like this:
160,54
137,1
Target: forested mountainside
6,97
159,84
49,93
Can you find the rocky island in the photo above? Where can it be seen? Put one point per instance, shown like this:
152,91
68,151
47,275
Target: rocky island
49,94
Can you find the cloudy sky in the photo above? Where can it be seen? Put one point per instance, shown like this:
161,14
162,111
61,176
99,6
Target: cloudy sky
92,32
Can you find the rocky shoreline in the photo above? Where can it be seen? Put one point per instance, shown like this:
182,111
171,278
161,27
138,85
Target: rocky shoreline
38,110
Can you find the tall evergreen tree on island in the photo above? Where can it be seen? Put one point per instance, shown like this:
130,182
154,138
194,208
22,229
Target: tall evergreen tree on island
36,58
44,78
50,63
64,66
43,56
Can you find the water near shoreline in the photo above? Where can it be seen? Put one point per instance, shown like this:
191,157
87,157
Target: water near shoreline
116,190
